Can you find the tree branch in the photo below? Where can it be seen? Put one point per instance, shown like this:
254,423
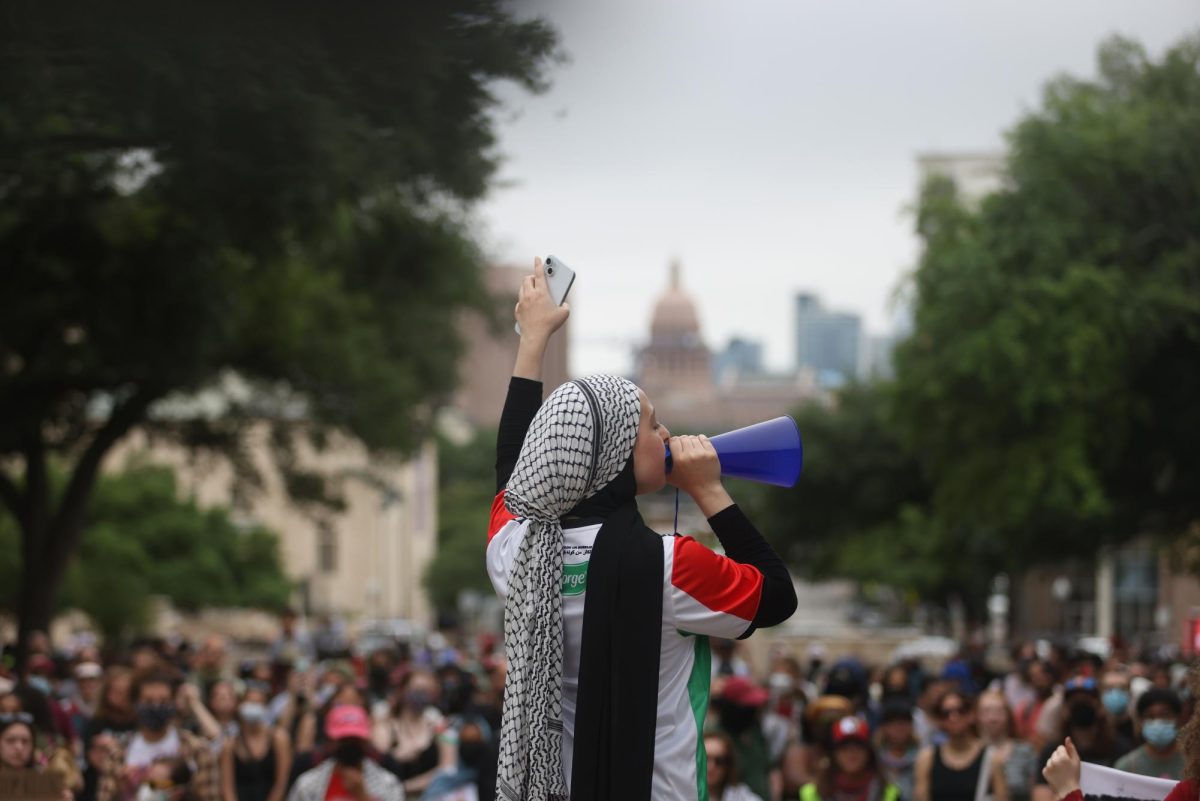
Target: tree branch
67,524
37,483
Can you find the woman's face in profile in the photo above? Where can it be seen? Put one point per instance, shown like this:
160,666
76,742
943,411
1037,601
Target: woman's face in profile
649,454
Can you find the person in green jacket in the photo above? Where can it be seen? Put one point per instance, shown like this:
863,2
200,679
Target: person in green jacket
852,772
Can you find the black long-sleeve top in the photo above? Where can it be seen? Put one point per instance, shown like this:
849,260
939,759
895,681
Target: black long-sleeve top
741,540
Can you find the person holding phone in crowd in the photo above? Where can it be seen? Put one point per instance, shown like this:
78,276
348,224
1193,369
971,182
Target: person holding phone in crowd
606,620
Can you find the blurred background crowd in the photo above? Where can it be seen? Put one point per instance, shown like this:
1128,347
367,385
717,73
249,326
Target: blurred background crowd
212,720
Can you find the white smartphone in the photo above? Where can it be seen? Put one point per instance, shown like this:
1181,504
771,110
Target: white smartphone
559,278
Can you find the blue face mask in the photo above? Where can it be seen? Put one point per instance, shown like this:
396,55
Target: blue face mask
252,713
1159,733
1116,701
41,684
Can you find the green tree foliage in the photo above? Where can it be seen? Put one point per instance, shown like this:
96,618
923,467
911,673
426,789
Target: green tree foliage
1045,402
141,541
1050,385
841,518
860,509
466,487
190,191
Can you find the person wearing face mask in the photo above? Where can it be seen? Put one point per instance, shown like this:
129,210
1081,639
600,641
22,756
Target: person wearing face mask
157,737
380,666
1063,770
781,720
1158,712
1088,725
1116,697
409,733
255,763
896,745
739,707
348,774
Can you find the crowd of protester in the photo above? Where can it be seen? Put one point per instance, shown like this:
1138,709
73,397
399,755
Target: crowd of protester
313,720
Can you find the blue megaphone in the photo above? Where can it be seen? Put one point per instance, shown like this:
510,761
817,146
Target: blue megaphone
769,452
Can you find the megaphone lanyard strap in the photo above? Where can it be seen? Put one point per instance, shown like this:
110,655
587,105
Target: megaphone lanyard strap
677,511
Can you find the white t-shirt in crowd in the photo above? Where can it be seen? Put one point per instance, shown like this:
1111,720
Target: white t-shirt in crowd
142,753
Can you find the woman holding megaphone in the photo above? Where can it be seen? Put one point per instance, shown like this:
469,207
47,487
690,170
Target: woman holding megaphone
606,621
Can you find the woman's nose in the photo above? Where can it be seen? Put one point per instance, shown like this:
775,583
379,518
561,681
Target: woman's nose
664,432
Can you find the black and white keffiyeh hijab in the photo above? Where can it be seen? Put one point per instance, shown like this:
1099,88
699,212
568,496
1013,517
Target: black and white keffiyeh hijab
580,440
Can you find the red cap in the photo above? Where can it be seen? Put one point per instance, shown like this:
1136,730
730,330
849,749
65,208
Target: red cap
743,692
848,729
347,720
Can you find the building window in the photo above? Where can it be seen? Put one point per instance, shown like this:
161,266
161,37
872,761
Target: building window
1135,589
327,553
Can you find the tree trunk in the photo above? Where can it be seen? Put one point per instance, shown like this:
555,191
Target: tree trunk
48,541
38,591
32,514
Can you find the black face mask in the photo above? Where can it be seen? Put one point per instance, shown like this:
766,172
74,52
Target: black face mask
350,753
155,717
473,755
456,695
379,678
736,719
1083,715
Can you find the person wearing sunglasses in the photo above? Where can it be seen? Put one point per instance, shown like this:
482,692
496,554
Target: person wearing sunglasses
961,768
724,783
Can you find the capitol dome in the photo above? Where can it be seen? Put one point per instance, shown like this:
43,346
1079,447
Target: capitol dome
675,313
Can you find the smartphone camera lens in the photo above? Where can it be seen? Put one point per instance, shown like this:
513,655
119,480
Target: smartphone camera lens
549,271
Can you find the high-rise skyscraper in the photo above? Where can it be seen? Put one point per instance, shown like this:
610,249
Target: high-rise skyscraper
741,358
828,342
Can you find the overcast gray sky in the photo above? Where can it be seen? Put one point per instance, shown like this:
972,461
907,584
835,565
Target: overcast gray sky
770,145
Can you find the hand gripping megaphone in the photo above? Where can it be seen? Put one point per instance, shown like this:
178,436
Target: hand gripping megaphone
768,452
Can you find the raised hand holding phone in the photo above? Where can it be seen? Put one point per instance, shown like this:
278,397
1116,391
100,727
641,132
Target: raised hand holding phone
557,278
538,317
